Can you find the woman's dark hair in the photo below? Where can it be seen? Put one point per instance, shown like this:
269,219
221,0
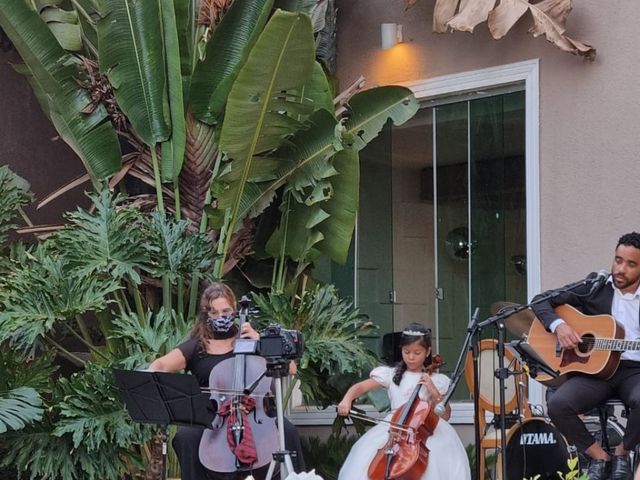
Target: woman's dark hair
202,329
412,334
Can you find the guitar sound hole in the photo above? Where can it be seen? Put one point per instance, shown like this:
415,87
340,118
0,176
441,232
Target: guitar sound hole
587,343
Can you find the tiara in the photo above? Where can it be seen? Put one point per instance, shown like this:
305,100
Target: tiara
413,333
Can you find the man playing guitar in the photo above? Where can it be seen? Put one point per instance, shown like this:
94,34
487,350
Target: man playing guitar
620,297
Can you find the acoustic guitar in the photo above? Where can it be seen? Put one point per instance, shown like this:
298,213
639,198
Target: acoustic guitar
598,354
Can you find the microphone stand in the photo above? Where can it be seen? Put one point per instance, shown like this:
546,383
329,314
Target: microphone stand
501,374
470,342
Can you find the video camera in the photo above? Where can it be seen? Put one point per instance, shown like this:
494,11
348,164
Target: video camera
279,343
275,344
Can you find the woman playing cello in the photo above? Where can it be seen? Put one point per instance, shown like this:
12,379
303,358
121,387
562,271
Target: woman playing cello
447,459
210,344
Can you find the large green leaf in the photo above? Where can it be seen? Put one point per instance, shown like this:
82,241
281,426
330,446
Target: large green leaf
65,26
54,75
178,251
332,328
342,207
18,408
130,43
14,193
173,149
257,118
321,137
42,294
110,242
226,52
371,109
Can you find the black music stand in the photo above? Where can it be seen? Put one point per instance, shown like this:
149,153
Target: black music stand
164,399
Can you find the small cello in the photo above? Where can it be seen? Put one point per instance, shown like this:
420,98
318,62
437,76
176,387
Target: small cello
405,456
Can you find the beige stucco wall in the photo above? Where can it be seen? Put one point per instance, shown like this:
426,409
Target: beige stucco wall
589,115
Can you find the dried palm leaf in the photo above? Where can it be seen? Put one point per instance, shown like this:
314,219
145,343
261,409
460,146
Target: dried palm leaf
471,15
443,11
549,19
211,11
241,245
63,189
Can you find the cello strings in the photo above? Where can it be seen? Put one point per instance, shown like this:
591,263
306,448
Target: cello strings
235,392
367,418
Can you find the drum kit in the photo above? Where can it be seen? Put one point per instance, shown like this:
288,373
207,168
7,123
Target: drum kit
534,447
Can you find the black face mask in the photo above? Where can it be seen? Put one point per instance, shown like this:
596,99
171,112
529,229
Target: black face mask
225,335
221,324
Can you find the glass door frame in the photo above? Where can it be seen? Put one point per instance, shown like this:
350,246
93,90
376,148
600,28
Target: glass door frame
434,91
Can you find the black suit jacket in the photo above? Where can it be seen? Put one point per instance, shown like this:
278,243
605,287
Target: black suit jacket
597,303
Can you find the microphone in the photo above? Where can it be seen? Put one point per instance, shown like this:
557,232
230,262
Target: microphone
440,408
598,280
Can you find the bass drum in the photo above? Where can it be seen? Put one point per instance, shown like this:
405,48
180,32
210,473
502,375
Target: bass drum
535,449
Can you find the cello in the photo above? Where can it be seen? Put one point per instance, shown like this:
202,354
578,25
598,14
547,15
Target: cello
243,435
405,456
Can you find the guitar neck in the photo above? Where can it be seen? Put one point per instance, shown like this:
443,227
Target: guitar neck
615,344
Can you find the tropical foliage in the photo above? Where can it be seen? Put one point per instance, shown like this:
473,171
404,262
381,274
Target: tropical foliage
328,323
226,121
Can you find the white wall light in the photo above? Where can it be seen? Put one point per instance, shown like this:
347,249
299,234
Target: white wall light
391,34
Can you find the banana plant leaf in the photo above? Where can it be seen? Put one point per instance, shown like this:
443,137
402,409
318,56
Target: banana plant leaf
281,60
186,34
130,44
53,74
306,156
65,26
342,207
173,149
226,52
371,109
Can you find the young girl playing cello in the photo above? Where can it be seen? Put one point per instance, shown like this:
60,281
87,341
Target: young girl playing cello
447,458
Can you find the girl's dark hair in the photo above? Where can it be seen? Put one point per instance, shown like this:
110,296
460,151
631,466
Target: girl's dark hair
411,334
202,329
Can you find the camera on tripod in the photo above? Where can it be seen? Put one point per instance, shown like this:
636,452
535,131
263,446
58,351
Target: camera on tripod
277,343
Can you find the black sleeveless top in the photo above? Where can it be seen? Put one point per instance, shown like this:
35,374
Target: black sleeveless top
201,363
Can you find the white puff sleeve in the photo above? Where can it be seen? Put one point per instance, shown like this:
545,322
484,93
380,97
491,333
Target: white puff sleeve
382,375
441,382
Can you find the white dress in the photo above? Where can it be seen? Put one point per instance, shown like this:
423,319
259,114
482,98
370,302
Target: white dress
447,457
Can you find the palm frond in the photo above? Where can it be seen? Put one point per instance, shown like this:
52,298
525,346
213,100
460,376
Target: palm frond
43,292
180,252
111,241
92,412
19,407
149,338
14,193
331,327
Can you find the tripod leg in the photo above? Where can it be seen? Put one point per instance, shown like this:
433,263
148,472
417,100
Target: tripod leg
272,467
288,463
163,436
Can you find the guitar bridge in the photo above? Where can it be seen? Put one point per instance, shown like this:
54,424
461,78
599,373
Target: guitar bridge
558,349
